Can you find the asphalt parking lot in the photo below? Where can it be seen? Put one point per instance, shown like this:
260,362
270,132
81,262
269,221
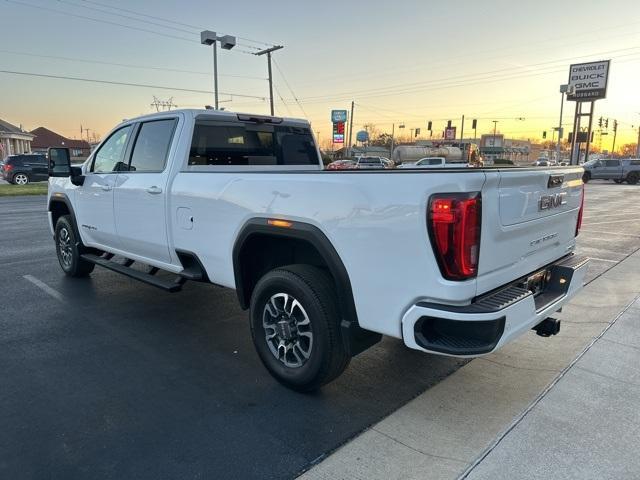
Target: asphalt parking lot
110,378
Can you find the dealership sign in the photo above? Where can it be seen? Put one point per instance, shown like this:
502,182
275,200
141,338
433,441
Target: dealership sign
588,81
338,116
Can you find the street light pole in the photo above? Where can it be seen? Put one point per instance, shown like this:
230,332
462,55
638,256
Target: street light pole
215,74
268,52
563,90
227,42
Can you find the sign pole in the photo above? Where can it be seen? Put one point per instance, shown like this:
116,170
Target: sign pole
586,148
576,125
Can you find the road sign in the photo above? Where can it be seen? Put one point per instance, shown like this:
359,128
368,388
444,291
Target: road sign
450,133
338,116
588,81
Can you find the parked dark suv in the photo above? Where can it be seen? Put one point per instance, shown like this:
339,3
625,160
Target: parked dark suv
22,169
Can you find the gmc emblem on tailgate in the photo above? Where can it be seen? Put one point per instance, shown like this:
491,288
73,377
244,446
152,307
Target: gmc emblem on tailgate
554,200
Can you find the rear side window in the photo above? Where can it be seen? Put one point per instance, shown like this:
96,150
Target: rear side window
152,146
238,144
110,156
612,163
634,162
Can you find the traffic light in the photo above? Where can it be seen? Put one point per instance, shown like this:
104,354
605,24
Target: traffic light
544,134
570,138
429,125
600,122
615,125
474,124
606,123
417,132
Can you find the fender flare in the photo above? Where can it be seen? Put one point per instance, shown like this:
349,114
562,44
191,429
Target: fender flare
62,198
356,339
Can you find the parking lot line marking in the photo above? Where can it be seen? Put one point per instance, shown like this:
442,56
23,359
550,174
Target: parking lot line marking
44,287
586,230
603,260
612,221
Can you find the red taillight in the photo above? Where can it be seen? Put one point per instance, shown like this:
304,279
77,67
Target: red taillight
454,221
7,167
579,224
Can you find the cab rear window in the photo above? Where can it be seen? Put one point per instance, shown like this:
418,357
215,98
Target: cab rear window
220,144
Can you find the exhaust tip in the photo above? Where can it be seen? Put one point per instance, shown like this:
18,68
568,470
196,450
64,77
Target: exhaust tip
547,327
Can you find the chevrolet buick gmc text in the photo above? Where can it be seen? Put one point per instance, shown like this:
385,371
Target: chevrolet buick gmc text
452,261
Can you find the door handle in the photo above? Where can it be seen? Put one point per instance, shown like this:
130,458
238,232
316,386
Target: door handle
154,190
106,188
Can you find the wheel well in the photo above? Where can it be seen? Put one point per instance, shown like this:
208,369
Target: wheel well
261,247
261,253
58,209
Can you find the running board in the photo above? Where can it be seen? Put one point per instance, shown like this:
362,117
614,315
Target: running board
149,278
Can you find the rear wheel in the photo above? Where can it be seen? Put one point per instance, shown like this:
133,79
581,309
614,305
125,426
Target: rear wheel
618,181
295,327
68,249
586,176
633,178
21,179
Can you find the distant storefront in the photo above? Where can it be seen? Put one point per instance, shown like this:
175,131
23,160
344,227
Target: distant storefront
494,147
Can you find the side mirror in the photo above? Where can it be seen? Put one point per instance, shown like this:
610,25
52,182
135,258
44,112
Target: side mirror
59,162
60,165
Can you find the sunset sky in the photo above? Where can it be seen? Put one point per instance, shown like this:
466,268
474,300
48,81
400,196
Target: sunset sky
407,61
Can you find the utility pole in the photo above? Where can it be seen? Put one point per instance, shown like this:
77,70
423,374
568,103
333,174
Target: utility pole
350,129
268,51
393,131
638,147
462,130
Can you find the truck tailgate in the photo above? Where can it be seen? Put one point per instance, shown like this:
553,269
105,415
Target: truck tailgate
529,220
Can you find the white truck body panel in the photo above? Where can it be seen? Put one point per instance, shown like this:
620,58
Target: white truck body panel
376,221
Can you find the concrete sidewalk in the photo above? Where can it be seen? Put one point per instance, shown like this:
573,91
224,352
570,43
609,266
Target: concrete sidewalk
587,425
563,407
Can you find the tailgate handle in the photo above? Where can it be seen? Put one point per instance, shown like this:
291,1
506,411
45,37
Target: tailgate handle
555,181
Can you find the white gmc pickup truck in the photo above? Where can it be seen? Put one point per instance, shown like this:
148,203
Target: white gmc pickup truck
452,261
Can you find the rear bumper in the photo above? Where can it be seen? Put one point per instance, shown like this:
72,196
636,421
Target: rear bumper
494,319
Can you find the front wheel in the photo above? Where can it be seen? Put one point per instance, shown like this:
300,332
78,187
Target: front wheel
633,178
295,326
586,176
68,249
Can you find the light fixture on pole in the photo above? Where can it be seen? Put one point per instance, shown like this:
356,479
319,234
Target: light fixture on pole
563,90
227,42
268,52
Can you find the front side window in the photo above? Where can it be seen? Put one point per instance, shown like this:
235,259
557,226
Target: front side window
232,144
110,156
152,146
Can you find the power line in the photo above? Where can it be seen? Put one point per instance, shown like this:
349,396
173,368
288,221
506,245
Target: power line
129,17
282,100
465,76
143,67
289,87
111,82
444,86
167,20
108,22
475,54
